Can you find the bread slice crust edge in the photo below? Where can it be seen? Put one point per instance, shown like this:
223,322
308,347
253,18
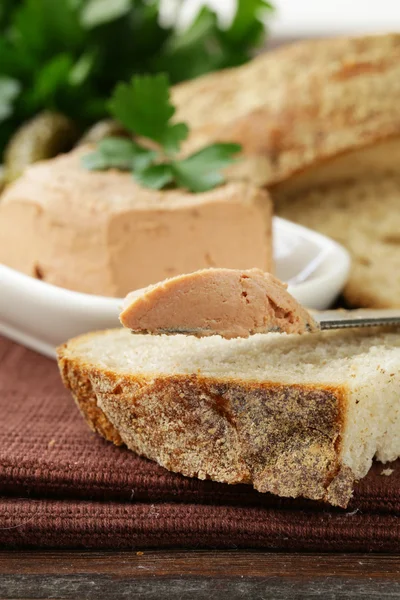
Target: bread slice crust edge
283,439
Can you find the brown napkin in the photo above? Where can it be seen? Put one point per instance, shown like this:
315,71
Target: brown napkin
63,486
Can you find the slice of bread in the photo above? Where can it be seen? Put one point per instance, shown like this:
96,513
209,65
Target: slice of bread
292,415
363,215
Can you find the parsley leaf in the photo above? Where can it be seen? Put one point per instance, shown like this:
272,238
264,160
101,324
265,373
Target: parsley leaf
143,157
82,69
206,46
97,12
68,55
173,137
95,161
52,78
144,107
155,176
201,171
9,90
248,21
118,153
192,52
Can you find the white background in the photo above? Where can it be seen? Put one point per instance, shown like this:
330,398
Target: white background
299,18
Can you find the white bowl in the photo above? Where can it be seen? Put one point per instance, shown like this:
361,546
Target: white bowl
42,316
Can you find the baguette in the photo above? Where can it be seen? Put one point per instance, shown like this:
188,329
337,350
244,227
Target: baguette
299,105
292,415
319,122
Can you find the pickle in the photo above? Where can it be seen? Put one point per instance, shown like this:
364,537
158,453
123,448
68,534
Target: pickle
103,129
44,136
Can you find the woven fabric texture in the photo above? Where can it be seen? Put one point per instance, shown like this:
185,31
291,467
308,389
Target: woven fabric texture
63,486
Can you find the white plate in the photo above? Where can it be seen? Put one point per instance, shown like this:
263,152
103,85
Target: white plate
42,316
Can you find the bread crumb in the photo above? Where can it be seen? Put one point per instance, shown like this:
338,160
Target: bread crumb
139,553
387,472
51,443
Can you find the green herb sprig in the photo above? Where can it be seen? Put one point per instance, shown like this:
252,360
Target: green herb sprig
67,55
144,107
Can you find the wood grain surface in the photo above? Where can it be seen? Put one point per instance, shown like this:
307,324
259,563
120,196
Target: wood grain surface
197,575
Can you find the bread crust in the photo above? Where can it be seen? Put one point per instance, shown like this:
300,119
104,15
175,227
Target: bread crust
283,439
298,105
310,114
79,383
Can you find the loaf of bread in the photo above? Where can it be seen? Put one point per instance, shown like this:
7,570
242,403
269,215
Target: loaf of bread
102,233
298,105
319,122
292,415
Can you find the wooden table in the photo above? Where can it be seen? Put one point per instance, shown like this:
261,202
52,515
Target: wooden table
197,575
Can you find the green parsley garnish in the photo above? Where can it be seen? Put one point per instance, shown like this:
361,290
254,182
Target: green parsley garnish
143,106
66,56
